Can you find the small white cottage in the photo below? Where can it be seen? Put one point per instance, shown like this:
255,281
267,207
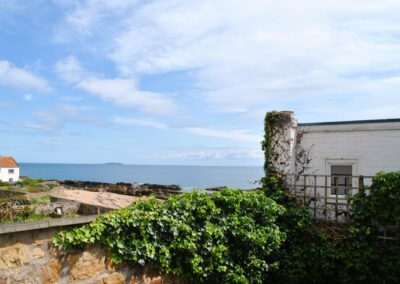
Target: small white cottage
9,170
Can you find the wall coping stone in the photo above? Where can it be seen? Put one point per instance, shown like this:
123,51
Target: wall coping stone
44,224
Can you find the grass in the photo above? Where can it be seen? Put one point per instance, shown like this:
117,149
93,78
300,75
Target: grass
43,199
29,218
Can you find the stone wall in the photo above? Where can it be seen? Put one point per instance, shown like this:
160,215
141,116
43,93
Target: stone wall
29,256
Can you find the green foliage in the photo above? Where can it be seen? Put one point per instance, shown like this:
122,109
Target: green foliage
5,184
272,187
373,259
228,237
26,214
384,198
43,199
306,256
34,185
253,237
271,119
32,182
327,253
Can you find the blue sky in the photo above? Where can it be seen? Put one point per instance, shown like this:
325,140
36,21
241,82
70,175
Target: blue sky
184,81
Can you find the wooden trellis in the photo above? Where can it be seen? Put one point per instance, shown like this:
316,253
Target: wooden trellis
326,198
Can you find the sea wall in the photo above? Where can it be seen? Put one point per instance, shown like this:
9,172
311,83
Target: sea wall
27,255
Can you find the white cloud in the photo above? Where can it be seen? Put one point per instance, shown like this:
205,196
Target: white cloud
49,122
70,69
44,122
216,153
123,92
84,17
260,53
119,91
20,78
139,122
28,97
238,135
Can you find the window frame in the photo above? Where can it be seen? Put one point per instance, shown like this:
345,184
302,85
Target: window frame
341,162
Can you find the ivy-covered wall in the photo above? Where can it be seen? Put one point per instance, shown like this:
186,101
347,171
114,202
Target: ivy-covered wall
279,141
326,252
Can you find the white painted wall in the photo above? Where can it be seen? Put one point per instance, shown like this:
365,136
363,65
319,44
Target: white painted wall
373,147
5,175
368,147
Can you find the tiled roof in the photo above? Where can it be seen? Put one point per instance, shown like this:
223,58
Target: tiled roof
8,162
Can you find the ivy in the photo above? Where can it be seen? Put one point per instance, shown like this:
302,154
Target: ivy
228,237
320,252
342,253
271,120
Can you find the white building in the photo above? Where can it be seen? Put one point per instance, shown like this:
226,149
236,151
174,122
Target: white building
343,156
354,148
9,169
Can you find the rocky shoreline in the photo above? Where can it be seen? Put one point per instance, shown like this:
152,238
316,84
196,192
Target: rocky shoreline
159,190
76,197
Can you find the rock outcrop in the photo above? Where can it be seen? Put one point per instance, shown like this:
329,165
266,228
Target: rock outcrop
161,191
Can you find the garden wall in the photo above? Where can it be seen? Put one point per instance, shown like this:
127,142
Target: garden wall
27,255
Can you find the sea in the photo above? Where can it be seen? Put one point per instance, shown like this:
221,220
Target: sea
188,177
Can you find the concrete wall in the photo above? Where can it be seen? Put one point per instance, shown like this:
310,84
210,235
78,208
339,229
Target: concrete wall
27,255
371,147
5,176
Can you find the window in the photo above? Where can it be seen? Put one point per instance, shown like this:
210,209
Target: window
10,180
341,180
342,172
10,171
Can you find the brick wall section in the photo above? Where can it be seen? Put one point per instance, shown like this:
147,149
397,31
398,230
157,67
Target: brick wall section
29,256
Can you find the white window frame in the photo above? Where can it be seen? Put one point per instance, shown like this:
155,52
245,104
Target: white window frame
341,162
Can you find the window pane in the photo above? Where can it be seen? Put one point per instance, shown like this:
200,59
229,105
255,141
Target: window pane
341,180
341,170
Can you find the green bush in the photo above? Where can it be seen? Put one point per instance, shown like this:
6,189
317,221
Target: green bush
373,259
32,182
253,237
306,256
333,253
384,198
228,237
43,199
327,252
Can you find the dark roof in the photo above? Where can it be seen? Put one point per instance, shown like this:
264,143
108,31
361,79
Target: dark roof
352,122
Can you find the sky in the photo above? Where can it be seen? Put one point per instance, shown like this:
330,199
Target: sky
186,81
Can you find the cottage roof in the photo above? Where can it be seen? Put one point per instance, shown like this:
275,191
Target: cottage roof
8,162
